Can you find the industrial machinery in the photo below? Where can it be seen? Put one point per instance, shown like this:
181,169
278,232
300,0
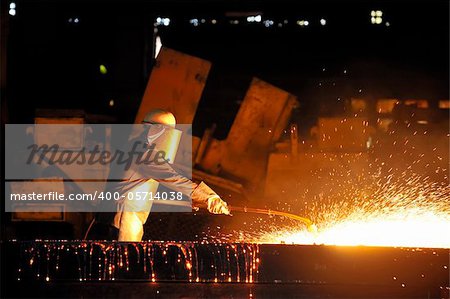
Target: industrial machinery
253,167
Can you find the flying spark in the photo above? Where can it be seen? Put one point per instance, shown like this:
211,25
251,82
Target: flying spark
413,214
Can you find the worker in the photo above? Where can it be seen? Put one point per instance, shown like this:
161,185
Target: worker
128,221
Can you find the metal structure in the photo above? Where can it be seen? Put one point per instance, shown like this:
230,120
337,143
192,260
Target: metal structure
169,269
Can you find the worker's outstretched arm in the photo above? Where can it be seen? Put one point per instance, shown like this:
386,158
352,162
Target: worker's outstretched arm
202,195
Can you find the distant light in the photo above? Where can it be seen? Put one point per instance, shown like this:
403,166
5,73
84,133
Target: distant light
103,69
360,90
194,22
280,24
234,22
12,8
285,21
302,23
306,23
252,19
203,21
345,71
323,22
214,21
387,24
376,20
268,23
444,104
76,20
376,17
324,69
70,20
111,103
162,21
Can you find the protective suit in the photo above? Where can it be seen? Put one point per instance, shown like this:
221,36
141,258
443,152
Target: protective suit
132,215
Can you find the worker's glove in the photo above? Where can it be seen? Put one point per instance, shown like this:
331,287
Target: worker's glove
217,206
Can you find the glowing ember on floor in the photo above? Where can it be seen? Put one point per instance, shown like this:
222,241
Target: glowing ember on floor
412,214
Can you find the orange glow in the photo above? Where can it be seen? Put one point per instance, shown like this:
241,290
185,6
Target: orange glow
188,265
404,229
413,214
419,103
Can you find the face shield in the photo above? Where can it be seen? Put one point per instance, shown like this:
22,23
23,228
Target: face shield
154,131
165,138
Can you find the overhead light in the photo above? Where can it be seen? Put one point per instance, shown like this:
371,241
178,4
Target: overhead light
323,22
12,12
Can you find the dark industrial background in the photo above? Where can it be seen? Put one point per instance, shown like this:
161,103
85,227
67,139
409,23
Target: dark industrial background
52,62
